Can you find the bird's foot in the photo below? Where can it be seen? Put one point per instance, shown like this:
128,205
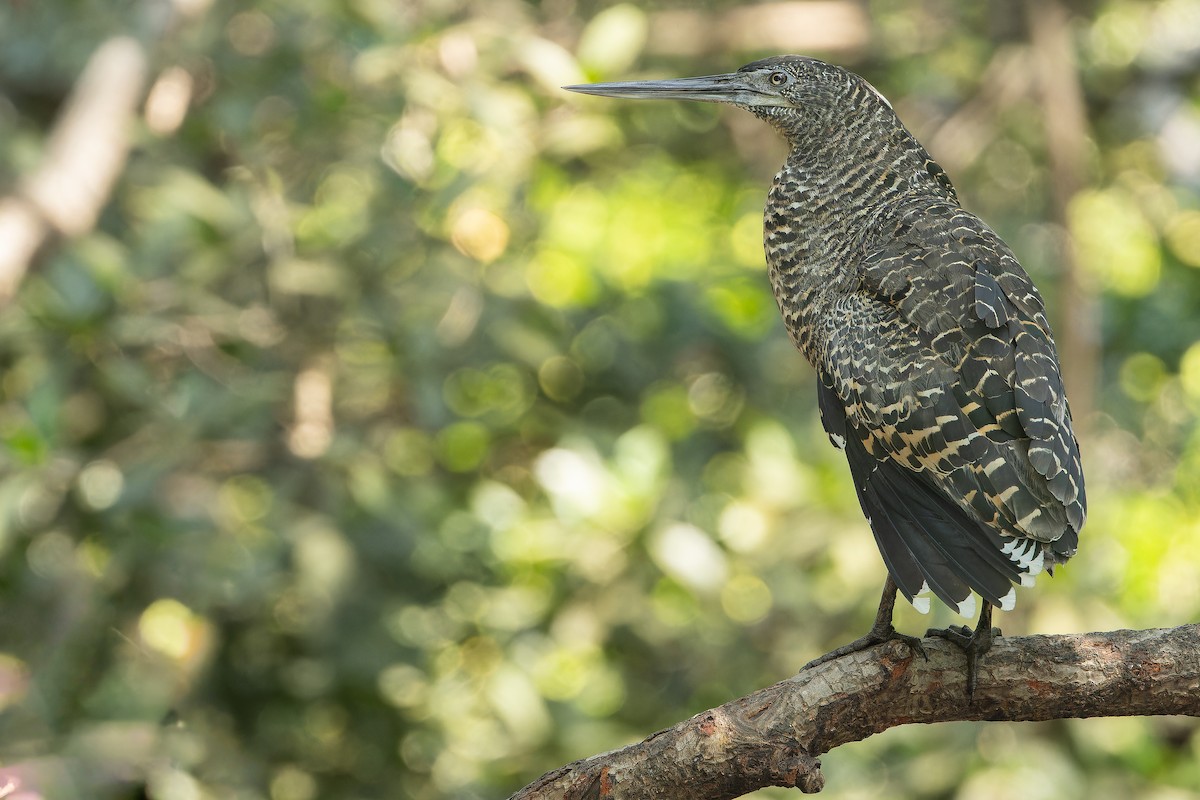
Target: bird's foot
877,635
974,643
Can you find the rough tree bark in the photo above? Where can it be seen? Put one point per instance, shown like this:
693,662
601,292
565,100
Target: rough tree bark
774,736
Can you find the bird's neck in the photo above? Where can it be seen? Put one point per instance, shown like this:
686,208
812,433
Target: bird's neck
831,193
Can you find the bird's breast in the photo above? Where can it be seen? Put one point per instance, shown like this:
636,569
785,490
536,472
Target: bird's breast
810,257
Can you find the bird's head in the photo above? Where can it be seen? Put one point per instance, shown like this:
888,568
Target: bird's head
790,92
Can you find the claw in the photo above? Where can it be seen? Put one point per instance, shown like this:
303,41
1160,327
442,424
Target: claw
881,631
973,643
872,638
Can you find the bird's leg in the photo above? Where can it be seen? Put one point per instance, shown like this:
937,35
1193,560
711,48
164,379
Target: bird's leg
881,631
973,643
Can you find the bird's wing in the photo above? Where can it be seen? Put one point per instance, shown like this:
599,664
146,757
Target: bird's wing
952,278
927,541
945,377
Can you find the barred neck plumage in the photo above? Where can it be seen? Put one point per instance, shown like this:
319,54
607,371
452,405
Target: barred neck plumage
851,164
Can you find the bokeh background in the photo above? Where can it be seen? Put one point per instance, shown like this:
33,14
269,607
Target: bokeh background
402,426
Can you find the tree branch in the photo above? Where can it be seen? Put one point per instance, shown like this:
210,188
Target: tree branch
87,150
84,156
773,737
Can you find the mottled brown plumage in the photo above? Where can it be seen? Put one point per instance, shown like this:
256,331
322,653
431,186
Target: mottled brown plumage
937,369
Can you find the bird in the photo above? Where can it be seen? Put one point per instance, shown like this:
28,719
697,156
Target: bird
937,372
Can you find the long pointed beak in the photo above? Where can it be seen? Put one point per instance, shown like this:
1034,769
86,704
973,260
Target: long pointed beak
730,88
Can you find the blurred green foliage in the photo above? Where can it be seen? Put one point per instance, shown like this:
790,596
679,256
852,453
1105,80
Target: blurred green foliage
407,427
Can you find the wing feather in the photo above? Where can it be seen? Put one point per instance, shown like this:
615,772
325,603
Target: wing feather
940,376
990,327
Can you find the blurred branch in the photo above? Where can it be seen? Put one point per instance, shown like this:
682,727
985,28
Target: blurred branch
89,145
1065,118
793,27
961,138
774,736
84,156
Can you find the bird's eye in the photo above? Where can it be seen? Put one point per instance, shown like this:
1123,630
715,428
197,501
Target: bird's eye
778,78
